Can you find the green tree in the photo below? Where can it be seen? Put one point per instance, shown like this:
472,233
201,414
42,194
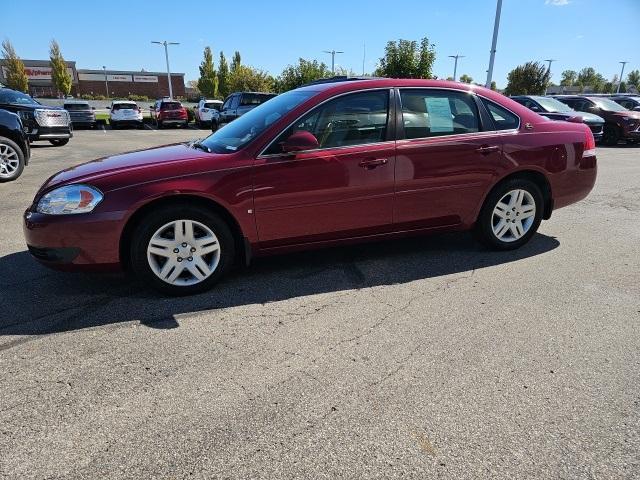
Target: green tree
588,77
494,86
59,73
223,76
405,59
528,79
633,78
569,78
14,74
208,81
244,78
464,78
236,62
293,76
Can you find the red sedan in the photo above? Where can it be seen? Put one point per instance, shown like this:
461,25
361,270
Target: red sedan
328,163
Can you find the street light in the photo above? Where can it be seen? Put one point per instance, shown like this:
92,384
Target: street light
106,84
492,56
166,56
455,65
550,60
333,59
621,73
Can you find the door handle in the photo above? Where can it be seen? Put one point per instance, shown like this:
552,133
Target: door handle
487,149
371,163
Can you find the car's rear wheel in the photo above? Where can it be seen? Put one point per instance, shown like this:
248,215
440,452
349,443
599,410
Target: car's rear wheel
59,142
611,135
510,215
182,250
11,160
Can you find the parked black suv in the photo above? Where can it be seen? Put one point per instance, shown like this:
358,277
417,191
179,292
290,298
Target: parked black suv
239,103
14,146
555,110
620,123
40,121
630,102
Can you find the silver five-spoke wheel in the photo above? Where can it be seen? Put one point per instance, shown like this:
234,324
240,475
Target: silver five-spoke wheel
513,215
9,161
183,252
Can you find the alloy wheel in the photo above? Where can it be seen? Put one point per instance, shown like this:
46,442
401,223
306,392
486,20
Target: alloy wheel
513,215
183,252
9,161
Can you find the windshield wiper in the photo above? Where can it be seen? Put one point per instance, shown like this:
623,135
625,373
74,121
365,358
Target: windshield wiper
201,146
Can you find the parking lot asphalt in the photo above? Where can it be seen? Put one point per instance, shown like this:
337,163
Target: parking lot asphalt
423,358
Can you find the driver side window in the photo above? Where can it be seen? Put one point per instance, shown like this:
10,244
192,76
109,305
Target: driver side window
354,119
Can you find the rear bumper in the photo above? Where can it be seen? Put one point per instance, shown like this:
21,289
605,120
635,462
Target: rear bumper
575,184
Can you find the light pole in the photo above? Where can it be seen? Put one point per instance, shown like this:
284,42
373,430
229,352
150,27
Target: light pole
550,60
333,60
621,73
496,27
106,83
455,65
166,56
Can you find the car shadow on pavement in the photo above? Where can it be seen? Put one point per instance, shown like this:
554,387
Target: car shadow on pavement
38,301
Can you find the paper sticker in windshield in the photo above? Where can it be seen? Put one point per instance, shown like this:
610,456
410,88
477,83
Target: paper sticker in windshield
439,111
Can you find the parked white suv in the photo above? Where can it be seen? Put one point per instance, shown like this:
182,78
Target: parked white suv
125,112
207,112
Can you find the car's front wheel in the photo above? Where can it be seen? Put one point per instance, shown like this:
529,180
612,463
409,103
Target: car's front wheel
182,250
510,215
11,160
611,135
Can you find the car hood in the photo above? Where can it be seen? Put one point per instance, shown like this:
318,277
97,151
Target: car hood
628,114
590,117
126,162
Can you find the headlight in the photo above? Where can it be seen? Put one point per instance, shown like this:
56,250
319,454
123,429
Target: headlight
70,199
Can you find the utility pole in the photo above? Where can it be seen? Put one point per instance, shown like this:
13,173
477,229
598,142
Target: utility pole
550,60
333,59
166,56
621,73
106,83
364,55
455,65
492,57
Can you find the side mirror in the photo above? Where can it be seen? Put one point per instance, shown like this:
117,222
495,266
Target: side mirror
93,108
636,109
575,119
300,141
535,108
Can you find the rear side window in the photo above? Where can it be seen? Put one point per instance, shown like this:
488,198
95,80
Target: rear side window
255,98
434,113
354,119
503,119
212,105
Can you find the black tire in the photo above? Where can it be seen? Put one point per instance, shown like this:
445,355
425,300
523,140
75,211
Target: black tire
114,125
14,150
59,142
485,222
159,124
154,221
611,135
214,125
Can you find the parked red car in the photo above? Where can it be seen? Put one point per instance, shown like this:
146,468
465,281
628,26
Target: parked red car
167,112
325,164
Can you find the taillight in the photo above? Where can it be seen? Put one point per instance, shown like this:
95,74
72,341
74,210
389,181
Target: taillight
589,143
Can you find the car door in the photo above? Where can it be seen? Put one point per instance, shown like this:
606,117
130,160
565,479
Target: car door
226,111
448,153
342,189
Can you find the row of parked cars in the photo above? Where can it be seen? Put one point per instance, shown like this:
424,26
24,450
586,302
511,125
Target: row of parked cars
611,118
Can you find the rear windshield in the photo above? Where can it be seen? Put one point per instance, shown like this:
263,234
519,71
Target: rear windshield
125,106
76,106
213,105
255,98
170,105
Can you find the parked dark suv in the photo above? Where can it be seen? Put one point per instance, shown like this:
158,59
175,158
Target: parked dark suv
82,114
239,103
620,123
14,146
630,102
40,121
556,110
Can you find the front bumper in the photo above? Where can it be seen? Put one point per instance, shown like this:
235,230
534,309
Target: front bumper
89,242
50,133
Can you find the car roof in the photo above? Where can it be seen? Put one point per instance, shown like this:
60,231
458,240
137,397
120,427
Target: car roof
123,101
210,101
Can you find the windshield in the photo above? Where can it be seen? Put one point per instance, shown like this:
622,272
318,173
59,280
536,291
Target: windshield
11,96
76,106
608,105
553,105
240,132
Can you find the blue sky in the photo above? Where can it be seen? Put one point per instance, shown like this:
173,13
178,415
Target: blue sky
270,35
